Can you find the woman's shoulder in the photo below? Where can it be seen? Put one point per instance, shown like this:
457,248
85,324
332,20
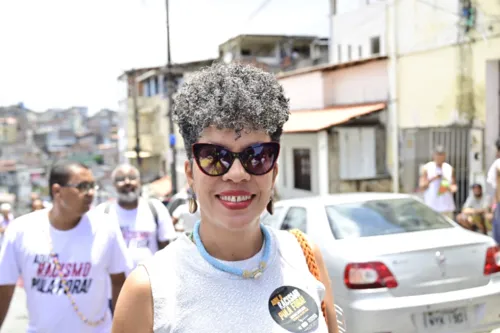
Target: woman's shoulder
288,245
160,265
285,237
133,311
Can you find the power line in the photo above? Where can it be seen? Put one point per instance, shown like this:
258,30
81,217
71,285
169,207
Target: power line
258,10
444,10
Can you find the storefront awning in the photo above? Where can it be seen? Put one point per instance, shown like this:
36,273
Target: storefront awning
317,120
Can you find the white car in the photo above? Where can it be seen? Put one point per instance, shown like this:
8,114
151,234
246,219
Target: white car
397,266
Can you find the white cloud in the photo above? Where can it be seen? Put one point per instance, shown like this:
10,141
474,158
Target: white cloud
59,53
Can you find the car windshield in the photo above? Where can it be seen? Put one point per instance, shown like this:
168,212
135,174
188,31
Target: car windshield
382,217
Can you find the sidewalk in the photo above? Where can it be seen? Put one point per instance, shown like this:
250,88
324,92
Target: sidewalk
17,317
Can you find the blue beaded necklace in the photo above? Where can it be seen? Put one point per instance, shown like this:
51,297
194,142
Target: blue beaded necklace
255,274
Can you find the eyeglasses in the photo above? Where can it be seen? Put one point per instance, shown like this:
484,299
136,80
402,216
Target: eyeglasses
120,180
215,160
83,187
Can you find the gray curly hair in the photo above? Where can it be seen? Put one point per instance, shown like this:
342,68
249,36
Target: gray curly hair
234,96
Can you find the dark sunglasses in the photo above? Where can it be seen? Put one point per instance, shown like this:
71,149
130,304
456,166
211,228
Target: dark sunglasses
83,187
257,159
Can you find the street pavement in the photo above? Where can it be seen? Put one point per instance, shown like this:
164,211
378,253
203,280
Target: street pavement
17,317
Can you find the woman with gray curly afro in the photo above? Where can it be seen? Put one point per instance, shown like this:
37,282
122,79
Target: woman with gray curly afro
232,273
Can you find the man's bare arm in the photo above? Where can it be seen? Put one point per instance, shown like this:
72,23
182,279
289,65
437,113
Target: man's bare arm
6,293
117,281
423,181
453,186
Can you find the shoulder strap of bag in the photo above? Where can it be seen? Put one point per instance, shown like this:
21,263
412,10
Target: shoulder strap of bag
153,211
310,259
151,207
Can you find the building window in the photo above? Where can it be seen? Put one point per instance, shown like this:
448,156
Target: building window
339,53
349,52
360,52
302,169
375,45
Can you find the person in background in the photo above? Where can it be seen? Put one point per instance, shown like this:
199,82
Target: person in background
36,200
493,179
145,224
37,204
232,273
183,219
476,212
6,217
438,182
65,255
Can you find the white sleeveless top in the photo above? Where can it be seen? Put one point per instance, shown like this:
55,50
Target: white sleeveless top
441,203
189,295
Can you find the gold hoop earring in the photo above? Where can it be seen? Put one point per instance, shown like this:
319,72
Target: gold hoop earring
270,206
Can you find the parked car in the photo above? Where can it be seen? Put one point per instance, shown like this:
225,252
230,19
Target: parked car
398,266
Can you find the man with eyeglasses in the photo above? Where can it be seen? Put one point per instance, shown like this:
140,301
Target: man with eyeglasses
146,224
65,255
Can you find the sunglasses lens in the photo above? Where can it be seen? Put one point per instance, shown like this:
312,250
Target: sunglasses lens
85,187
259,159
213,160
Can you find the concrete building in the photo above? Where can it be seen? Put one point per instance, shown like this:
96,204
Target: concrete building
335,139
275,53
448,56
152,105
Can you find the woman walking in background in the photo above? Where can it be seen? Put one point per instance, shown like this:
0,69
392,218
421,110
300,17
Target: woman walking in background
232,274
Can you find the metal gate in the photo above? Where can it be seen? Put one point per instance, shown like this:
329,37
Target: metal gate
418,145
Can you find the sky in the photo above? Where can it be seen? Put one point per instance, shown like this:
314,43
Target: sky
63,53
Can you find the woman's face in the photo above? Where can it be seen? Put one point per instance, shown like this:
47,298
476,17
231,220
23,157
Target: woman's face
235,199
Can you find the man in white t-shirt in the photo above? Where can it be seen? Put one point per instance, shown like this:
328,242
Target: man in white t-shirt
146,225
66,256
438,182
183,219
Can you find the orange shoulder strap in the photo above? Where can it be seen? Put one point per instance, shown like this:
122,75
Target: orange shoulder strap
310,259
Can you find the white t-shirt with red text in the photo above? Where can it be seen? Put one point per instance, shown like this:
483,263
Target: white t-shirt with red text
88,254
139,228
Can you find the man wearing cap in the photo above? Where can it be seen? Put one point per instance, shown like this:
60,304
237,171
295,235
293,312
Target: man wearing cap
438,182
476,211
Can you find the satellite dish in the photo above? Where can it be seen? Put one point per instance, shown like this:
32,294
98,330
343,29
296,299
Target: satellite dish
228,57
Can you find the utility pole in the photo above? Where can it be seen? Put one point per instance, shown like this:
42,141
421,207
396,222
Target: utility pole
170,101
137,120
393,89
465,85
